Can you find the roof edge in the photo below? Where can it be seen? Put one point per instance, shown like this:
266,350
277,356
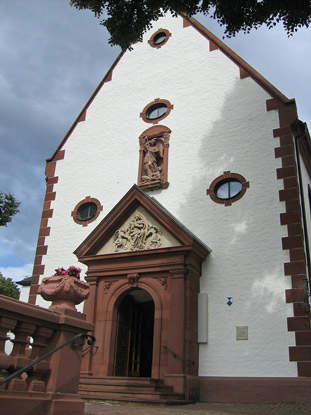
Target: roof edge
106,78
133,197
261,80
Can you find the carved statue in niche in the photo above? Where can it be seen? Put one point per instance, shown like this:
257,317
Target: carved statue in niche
139,235
152,159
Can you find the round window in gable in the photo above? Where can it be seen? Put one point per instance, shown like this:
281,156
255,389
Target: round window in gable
156,110
86,211
227,188
159,38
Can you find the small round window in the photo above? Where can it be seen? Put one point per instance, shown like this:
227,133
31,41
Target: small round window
159,38
228,189
87,211
156,111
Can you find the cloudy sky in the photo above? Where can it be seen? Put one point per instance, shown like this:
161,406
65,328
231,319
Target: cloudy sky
52,57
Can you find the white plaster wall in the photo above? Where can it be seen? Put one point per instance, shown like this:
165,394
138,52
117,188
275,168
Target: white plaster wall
305,182
24,293
219,122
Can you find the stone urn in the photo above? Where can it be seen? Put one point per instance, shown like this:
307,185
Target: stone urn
64,291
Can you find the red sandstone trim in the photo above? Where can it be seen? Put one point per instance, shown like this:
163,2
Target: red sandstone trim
303,338
44,230
134,198
88,199
245,67
212,46
295,296
257,389
186,22
151,40
227,175
82,115
143,114
171,277
243,73
156,131
294,242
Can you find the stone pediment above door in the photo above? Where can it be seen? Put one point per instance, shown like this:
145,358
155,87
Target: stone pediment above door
138,223
140,231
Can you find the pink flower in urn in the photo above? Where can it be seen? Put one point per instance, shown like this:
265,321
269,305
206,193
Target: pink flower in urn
71,271
63,290
74,272
60,271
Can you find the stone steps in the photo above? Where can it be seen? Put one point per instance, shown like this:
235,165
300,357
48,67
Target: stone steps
129,389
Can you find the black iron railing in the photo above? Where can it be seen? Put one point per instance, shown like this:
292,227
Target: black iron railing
175,355
74,343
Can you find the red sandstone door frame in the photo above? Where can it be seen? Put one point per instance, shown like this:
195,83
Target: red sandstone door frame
168,275
112,314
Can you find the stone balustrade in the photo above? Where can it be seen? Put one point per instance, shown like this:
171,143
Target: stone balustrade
51,386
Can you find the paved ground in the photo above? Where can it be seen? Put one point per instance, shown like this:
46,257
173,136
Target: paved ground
118,408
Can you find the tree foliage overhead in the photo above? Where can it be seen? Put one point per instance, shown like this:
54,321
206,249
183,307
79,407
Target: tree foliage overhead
8,208
8,287
128,20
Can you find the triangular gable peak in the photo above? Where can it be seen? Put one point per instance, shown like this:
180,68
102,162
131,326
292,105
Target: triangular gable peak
246,70
138,223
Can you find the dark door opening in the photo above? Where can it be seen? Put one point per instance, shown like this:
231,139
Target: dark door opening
134,340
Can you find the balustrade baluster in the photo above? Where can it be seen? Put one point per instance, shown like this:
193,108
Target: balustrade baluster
6,324
37,380
22,332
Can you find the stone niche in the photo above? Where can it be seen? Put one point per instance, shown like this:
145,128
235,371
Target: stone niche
153,158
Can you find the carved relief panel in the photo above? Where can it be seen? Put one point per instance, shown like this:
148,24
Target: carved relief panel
139,232
137,236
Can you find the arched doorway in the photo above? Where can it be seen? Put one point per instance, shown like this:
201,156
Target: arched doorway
134,337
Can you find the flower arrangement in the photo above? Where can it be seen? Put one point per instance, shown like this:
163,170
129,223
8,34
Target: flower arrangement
64,289
71,272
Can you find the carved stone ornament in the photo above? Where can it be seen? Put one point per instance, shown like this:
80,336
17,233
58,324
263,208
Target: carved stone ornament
133,279
163,282
152,159
107,286
64,291
139,235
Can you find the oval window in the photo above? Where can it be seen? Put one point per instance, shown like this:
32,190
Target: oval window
227,189
156,111
159,38
87,211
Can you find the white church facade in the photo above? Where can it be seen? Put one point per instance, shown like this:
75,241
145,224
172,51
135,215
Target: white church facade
182,190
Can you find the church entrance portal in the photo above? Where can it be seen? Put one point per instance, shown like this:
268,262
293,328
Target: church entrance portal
143,300
134,337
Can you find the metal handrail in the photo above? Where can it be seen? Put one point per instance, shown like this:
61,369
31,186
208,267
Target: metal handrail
176,355
74,344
